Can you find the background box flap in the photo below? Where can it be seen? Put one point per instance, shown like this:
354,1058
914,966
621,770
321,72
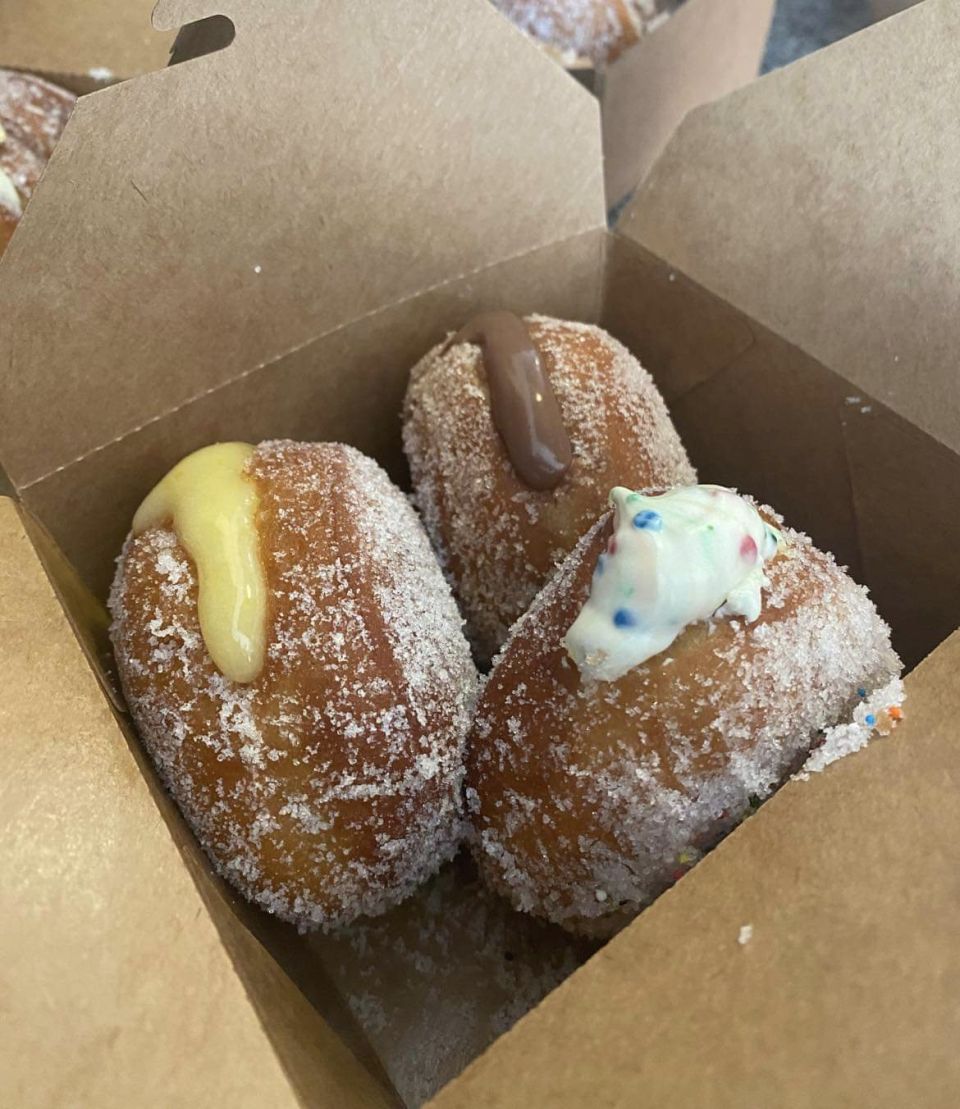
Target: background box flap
707,48
846,994
102,36
820,201
200,221
121,978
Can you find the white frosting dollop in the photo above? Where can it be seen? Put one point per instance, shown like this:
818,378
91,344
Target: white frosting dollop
675,559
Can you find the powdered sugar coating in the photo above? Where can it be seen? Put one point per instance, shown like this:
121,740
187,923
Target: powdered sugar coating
588,800
597,31
330,786
499,540
33,114
871,718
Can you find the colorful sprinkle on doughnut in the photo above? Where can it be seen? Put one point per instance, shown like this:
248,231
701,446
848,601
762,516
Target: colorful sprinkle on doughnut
648,520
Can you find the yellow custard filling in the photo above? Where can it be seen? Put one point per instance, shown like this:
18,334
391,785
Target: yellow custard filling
212,503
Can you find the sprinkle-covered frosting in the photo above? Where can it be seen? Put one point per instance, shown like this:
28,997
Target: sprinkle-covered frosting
674,559
212,505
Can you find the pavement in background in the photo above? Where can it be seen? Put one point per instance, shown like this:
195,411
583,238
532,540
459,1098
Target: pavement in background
802,26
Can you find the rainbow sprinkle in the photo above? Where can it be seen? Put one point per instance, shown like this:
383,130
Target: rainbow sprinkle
648,520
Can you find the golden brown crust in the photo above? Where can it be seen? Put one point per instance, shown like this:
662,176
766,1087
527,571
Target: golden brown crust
589,799
597,31
498,539
329,786
33,113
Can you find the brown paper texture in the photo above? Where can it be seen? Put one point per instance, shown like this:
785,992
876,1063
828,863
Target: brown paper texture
82,44
347,385
118,984
704,50
420,174
847,990
883,9
815,202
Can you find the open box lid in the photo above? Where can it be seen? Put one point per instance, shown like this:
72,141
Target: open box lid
91,41
820,202
155,263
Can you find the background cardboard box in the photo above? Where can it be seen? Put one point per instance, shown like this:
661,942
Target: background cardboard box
885,8
845,878
699,52
82,45
708,48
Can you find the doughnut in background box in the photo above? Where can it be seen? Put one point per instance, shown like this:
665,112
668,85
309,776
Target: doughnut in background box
256,243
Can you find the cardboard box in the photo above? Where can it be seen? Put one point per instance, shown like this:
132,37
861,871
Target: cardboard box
697,53
85,45
882,9
204,261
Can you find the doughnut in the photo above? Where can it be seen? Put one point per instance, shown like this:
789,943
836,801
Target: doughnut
580,31
33,114
501,500
681,664
295,665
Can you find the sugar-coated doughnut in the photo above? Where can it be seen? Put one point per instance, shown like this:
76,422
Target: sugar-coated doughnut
33,114
679,666
497,536
596,31
323,777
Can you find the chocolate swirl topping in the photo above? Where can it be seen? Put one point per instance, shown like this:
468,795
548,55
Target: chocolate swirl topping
524,407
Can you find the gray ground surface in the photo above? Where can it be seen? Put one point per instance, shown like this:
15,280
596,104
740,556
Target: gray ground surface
802,26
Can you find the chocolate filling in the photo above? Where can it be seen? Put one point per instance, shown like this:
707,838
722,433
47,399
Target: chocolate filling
524,408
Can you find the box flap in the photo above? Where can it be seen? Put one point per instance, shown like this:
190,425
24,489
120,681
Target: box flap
94,39
818,201
846,994
335,158
131,976
703,51
347,385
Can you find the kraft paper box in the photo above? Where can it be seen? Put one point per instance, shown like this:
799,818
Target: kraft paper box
185,273
884,8
81,45
690,56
